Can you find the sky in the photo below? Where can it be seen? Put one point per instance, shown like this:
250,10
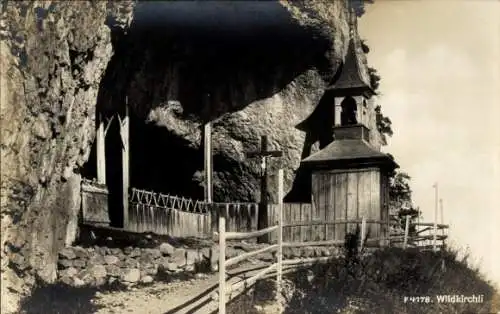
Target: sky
440,66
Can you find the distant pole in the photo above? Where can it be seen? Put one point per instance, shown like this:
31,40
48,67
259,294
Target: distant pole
407,229
434,245
441,212
208,161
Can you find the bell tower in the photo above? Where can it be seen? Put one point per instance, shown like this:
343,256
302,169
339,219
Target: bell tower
350,175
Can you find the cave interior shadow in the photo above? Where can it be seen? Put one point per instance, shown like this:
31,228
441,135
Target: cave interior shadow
220,64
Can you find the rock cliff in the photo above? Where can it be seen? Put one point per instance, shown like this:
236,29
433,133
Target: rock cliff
63,61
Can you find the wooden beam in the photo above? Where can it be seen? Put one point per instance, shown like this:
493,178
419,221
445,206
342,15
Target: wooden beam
208,161
313,243
336,222
338,110
125,136
263,154
222,262
308,260
247,255
363,233
429,224
249,235
279,254
244,284
101,150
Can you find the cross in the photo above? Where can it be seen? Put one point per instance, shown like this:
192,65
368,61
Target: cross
263,154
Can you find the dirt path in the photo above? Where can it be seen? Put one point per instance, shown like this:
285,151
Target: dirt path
183,297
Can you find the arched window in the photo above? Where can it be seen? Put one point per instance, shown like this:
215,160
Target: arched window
349,108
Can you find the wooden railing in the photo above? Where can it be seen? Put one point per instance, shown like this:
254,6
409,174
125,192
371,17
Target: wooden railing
226,293
419,236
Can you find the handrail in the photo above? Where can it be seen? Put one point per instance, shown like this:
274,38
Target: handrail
429,224
335,222
249,235
247,255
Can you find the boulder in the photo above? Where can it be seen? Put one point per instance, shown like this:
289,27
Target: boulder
77,282
115,251
166,249
135,252
191,257
100,281
67,253
114,270
64,263
147,279
98,271
81,252
132,275
189,268
86,276
179,257
96,258
79,263
111,260
151,271
130,263
127,250
67,280
169,266
69,272
152,253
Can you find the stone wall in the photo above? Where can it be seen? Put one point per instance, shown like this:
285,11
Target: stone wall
100,265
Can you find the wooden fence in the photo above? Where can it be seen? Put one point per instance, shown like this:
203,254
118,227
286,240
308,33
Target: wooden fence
296,239
166,214
182,217
225,293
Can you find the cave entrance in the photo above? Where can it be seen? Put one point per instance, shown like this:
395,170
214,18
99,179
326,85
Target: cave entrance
179,52
129,152
107,171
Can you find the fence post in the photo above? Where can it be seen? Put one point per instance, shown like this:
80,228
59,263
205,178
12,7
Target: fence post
222,260
279,254
363,232
407,227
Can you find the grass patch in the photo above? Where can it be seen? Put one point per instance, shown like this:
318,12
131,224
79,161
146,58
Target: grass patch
262,293
379,283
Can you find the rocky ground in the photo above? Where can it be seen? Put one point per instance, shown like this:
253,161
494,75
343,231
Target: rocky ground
183,293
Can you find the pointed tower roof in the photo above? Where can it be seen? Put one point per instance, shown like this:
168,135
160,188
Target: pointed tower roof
353,79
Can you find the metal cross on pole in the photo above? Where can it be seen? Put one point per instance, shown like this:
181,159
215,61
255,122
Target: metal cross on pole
263,154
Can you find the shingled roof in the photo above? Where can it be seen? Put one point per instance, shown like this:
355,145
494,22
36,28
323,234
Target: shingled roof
350,149
348,153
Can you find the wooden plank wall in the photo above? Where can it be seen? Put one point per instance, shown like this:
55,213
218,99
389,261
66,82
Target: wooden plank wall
240,217
338,196
342,195
176,223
